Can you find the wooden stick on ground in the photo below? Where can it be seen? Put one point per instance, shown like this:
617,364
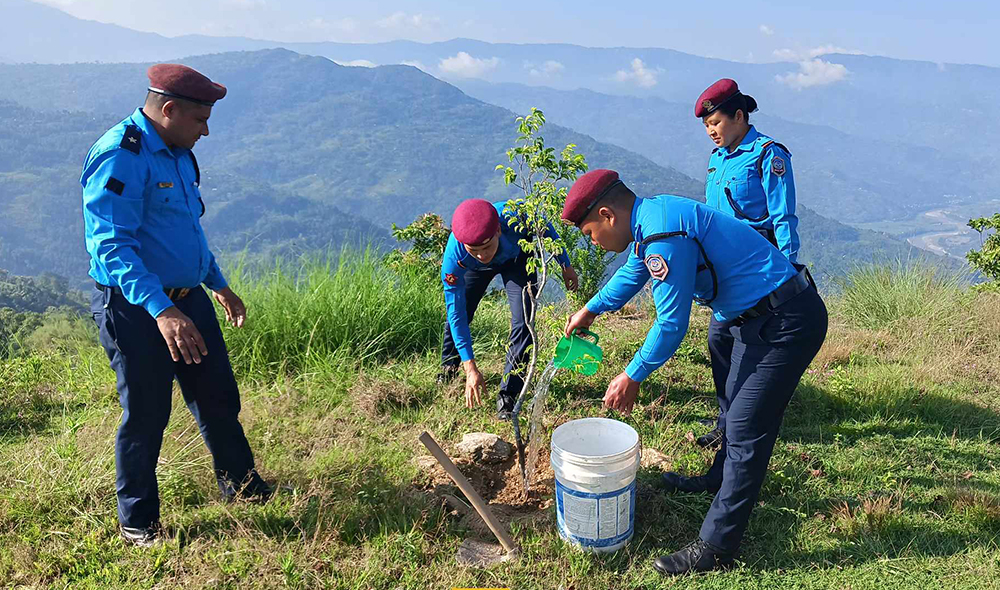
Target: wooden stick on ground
474,498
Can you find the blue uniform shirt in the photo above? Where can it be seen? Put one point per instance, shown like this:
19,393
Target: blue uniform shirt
141,209
692,252
457,261
761,195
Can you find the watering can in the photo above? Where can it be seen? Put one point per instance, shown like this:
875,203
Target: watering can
578,353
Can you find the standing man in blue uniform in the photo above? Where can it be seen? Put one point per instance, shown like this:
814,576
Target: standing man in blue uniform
481,246
692,252
149,258
750,178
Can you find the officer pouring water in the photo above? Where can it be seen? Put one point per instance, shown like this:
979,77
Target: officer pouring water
694,253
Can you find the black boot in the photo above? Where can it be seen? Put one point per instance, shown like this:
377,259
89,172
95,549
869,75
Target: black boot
675,482
696,557
712,439
144,536
505,407
252,489
447,374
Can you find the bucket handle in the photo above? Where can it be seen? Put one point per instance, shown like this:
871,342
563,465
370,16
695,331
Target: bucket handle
581,332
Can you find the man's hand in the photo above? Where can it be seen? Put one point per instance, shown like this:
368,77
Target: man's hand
474,384
580,320
236,312
621,394
570,278
182,337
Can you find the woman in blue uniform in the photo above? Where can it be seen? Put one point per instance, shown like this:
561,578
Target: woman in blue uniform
749,178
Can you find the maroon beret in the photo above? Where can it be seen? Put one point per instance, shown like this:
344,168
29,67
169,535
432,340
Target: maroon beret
586,192
475,221
177,81
714,96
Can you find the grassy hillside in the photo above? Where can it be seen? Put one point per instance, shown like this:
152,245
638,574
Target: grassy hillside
884,476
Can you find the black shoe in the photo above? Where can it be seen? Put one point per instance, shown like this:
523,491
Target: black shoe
696,557
143,536
447,374
505,407
254,489
675,482
712,439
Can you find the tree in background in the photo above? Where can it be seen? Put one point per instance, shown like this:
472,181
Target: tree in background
542,178
987,259
428,236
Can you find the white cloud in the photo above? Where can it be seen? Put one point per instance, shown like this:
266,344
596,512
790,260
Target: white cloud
417,64
398,20
807,54
357,63
766,30
815,72
466,66
545,70
640,74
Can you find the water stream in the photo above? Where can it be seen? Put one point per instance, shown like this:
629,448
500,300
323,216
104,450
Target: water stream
535,420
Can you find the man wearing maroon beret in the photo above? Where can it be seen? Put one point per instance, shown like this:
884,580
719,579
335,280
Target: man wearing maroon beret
690,252
149,257
481,246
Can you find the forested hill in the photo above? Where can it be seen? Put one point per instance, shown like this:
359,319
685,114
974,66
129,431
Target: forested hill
303,154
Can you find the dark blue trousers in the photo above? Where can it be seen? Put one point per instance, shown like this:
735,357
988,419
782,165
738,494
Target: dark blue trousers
146,372
515,278
769,355
720,349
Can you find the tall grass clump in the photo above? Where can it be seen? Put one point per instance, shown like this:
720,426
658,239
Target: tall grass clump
878,296
346,308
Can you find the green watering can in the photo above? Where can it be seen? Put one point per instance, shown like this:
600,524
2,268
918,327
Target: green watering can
578,353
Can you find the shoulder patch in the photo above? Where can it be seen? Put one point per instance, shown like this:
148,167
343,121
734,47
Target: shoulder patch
778,166
132,140
116,186
657,266
451,279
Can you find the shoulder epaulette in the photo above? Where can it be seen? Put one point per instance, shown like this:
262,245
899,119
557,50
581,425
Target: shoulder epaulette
132,139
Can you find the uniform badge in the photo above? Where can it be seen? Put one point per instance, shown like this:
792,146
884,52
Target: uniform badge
451,279
706,104
165,185
778,166
657,266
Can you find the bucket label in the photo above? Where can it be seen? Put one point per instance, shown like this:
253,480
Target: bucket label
595,520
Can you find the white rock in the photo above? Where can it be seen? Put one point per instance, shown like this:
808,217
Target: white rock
485,447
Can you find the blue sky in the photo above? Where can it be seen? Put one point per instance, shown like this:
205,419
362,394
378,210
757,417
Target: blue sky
959,31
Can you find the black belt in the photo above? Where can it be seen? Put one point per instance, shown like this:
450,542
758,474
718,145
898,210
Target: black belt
175,294
768,235
790,288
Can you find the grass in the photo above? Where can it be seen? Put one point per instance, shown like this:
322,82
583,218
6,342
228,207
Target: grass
885,475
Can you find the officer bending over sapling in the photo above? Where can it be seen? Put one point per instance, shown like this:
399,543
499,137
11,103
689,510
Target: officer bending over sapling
481,246
692,252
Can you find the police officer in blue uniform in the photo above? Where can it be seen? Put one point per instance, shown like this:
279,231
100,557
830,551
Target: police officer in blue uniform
482,245
750,178
692,252
149,258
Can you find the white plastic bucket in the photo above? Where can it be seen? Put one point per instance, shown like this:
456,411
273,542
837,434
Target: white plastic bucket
595,461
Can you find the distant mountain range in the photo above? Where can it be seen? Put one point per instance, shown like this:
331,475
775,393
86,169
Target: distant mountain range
304,154
875,139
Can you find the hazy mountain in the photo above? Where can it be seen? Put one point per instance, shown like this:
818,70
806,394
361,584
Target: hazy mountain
842,176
